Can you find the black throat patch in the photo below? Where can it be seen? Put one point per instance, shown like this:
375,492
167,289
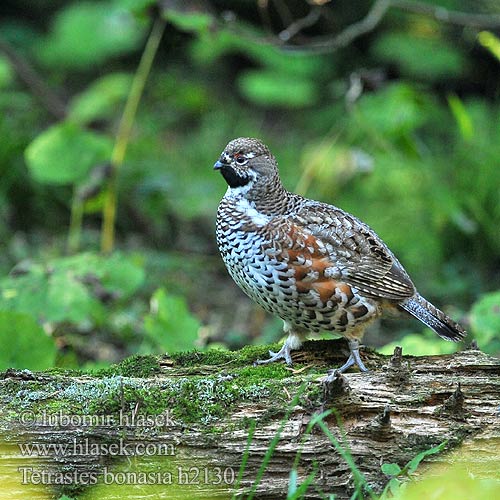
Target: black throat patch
232,178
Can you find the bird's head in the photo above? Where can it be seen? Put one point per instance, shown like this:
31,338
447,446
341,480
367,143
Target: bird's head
248,166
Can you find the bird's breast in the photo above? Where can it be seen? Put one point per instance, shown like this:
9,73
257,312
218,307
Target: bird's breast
288,271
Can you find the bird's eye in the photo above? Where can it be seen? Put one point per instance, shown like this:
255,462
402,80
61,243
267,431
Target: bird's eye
240,159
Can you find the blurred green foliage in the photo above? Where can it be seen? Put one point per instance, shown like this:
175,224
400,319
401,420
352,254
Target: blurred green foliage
400,127
87,34
397,47
169,326
71,288
100,99
24,343
485,320
65,154
454,481
397,474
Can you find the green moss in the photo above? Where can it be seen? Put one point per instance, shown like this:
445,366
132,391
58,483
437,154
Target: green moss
195,357
210,398
218,357
134,366
255,374
202,387
131,397
313,398
251,353
64,372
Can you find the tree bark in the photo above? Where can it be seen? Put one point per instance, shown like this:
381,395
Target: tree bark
201,413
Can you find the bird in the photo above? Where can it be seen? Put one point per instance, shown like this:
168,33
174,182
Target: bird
310,263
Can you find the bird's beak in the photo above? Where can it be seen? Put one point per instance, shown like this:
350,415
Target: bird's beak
218,165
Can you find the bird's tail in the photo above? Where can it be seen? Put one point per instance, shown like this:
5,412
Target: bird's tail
431,316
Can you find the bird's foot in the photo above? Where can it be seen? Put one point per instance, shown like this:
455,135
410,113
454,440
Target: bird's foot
354,359
283,353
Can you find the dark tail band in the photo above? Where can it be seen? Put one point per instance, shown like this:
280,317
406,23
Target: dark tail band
431,316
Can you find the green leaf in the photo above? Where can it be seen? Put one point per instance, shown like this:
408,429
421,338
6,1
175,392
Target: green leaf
189,21
213,44
24,343
170,325
137,7
420,57
485,317
68,299
122,274
460,479
391,469
412,465
294,492
71,288
64,154
394,111
292,483
6,74
101,99
277,89
461,116
420,344
394,486
49,294
490,42
85,34
117,272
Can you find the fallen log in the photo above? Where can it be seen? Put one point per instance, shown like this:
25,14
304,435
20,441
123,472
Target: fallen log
181,426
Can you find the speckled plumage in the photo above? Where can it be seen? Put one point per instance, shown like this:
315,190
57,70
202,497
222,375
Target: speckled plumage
312,264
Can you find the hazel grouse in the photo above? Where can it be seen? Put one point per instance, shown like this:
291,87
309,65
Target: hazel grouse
315,266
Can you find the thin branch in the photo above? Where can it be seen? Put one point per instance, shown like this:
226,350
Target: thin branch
34,81
345,37
283,12
263,6
124,132
328,44
300,24
483,21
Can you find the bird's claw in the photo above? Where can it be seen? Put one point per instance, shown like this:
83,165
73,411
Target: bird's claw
354,359
283,353
332,376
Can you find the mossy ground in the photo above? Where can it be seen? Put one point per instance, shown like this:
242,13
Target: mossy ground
197,387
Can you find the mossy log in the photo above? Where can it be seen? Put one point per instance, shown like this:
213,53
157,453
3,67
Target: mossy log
178,427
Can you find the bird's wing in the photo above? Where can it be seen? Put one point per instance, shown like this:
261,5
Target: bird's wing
355,252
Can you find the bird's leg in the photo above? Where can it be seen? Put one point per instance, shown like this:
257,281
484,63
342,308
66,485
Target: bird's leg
354,359
293,341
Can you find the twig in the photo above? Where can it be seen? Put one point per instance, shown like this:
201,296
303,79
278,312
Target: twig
283,11
300,24
367,24
485,21
263,6
348,35
124,130
328,44
75,225
33,81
